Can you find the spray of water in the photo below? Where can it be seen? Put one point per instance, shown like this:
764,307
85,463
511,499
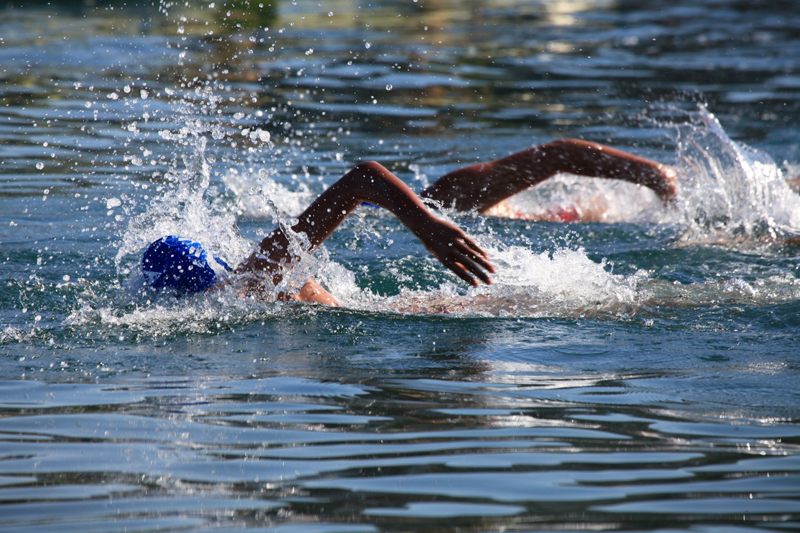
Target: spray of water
727,191
559,283
731,194
184,210
565,197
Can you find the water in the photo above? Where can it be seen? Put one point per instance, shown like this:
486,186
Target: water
634,374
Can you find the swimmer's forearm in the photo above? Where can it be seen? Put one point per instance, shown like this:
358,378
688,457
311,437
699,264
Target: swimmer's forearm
372,183
367,182
484,185
584,158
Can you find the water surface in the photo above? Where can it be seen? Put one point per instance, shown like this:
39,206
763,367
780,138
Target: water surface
638,374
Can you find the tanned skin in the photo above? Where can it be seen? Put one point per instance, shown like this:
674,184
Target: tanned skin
482,186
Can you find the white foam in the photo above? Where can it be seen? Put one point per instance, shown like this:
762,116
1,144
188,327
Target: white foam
726,190
210,312
730,193
596,199
559,283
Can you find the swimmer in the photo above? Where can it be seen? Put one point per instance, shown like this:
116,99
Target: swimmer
483,187
183,266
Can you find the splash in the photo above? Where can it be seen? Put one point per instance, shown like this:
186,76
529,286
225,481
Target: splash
568,198
188,207
210,313
727,190
731,193
183,209
563,282
251,203
728,291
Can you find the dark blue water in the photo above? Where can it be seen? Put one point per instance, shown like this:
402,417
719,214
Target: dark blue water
638,373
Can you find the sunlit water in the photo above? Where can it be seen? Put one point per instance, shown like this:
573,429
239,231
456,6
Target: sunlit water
639,373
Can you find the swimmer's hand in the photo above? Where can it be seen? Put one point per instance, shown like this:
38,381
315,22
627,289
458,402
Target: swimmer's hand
312,292
667,187
451,246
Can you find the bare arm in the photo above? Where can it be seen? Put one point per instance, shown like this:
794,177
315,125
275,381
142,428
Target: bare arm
484,185
370,182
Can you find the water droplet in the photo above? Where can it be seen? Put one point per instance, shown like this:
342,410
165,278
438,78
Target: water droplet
40,165
388,86
368,45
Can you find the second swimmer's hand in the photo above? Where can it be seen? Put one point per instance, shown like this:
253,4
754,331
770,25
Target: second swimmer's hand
667,187
451,246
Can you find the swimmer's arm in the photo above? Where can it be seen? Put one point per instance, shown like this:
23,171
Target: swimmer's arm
484,185
370,182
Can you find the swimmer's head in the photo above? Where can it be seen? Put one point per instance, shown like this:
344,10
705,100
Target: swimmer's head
178,264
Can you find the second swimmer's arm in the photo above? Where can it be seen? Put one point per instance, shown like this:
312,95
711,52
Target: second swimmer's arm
484,185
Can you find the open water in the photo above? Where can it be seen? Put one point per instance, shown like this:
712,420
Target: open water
639,374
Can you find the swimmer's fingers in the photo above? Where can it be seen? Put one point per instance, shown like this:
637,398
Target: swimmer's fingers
477,255
473,246
458,268
469,266
456,251
478,272
468,271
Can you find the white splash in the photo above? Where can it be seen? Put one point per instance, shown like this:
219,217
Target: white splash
183,209
263,197
559,283
564,198
730,193
727,190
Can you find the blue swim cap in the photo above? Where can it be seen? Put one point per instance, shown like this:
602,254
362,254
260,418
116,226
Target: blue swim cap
179,264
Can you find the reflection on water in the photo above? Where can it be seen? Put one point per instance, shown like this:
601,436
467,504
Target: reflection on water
279,451
638,374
